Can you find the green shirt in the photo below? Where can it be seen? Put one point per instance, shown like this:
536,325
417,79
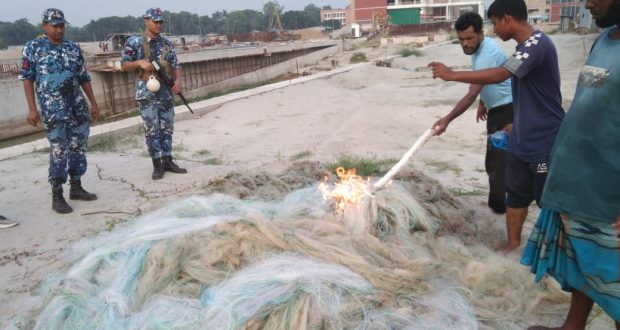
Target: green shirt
584,169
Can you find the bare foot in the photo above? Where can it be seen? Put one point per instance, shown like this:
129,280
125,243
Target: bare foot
509,248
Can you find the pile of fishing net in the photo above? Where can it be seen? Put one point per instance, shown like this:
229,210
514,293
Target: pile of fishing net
267,252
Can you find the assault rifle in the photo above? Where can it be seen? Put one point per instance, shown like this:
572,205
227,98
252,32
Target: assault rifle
169,81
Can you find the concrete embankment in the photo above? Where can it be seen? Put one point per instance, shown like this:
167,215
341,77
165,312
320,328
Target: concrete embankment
203,72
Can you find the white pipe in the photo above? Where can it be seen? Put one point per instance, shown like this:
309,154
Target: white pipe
403,161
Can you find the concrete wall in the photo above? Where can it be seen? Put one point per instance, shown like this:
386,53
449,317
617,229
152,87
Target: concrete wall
14,110
289,66
404,40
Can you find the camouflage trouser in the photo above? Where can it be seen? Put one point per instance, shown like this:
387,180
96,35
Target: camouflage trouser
68,143
158,117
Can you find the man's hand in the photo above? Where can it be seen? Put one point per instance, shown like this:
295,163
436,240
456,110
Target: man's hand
617,225
176,88
441,71
441,125
33,117
145,65
94,113
482,113
507,128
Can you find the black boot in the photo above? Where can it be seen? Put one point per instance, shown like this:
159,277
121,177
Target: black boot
170,166
77,192
158,169
58,202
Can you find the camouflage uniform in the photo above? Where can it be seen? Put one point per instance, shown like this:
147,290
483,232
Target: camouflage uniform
58,71
156,109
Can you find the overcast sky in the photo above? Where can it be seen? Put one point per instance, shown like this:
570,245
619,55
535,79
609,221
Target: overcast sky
80,12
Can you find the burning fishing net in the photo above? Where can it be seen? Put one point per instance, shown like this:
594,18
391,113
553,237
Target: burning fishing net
282,257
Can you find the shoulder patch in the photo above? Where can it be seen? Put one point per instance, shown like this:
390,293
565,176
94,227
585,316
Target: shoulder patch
533,40
592,76
521,55
513,64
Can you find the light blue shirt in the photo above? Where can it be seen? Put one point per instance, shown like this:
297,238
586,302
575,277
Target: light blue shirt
489,55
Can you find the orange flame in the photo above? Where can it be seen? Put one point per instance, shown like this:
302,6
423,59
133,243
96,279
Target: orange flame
349,190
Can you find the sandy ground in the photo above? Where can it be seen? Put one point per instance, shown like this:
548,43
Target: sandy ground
370,111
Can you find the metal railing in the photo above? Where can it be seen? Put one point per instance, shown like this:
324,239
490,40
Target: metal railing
9,71
419,29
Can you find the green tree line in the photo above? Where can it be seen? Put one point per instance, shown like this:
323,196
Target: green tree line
182,23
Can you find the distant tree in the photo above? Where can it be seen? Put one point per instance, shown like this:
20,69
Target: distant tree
221,22
270,10
18,32
235,22
327,7
78,34
206,24
219,16
296,19
244,21
256,20
3,44
182,23
313,14
271,6
101,28
309,17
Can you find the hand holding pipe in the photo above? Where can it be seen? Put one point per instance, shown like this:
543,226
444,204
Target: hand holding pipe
403,161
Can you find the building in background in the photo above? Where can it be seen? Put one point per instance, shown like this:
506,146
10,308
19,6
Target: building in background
406,12
334,14
584,18
364,12
434,10
564,12
538,11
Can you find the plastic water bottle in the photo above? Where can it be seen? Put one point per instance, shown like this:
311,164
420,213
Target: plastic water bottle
499,140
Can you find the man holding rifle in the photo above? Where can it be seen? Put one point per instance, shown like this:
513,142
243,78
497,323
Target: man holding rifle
156,99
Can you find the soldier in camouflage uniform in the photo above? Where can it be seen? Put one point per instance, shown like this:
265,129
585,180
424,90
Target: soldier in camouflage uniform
56,67
156,108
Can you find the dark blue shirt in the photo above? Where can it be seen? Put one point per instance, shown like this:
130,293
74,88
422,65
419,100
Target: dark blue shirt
537,100
58,72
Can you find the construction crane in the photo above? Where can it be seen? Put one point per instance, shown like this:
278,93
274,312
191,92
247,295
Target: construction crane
380,24
275,23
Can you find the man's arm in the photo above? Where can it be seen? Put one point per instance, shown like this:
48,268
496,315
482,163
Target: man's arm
176,88
94,108
33,114
134,65
441,125
129,60
480,77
